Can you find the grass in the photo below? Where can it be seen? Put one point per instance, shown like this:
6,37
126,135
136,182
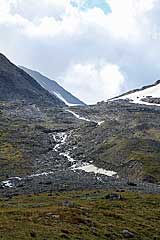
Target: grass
80,215
12,158
118,150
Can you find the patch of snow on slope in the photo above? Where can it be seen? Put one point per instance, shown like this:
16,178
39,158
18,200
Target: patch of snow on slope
10,182
137,97
90,168
78,116
83,118
100,123
64,100
40,174
7,183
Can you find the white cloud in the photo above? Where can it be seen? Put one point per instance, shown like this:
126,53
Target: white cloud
33,10
84,46
92,83
4,7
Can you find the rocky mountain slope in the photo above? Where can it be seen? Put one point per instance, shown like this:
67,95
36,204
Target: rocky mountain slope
127,141
51,149
17,85
54,88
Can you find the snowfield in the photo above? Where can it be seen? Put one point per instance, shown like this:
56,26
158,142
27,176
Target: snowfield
137,97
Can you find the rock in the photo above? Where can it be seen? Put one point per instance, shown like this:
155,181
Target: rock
68,204
114,196
52,215
132,184
149,179
94,230
65,231
128,234
120,190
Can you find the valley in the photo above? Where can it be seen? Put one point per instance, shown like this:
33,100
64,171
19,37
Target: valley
77,171
50,149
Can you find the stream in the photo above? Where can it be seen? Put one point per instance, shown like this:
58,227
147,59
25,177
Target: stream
60,140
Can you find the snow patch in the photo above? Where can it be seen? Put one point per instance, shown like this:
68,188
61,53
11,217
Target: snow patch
64,100
40,174
83,118
7,183
137,97
78,116
10,182
90,168
100,123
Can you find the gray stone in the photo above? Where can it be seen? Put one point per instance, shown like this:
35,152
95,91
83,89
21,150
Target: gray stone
128,234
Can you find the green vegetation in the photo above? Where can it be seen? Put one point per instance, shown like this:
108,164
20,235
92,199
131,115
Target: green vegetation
142,149
80,215
13,161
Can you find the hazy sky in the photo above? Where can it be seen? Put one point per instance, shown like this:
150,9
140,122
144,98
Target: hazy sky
96,49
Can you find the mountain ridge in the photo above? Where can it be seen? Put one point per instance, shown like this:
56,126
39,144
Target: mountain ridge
54,88
17,85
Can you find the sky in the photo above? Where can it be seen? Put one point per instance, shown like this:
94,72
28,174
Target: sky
96,49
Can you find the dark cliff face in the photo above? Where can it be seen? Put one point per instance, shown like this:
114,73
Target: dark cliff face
17,85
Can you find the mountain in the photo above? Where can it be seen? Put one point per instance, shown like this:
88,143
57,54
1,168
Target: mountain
149,95
110,145
54,88
17,85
